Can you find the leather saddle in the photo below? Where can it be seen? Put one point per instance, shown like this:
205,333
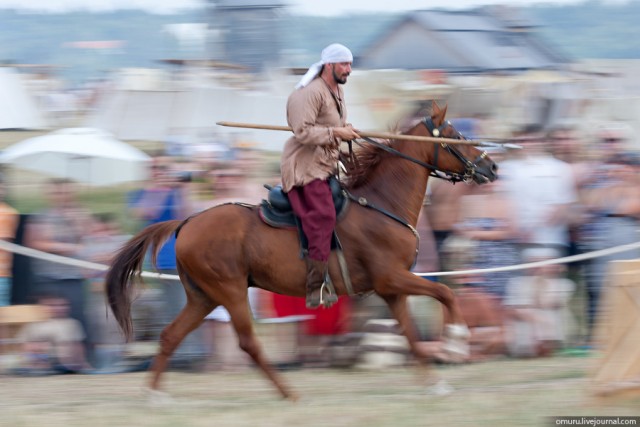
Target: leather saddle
276,210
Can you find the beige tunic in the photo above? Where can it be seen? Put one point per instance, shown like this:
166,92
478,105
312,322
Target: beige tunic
311,153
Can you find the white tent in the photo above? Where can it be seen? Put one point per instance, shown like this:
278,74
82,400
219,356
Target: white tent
158,115
81,154
18,109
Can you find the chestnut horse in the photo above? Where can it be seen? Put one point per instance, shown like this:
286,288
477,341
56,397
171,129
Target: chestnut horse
224,250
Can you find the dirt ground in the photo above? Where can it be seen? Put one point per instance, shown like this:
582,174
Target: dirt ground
496,393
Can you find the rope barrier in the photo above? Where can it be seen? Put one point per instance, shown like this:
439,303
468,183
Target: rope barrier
22,250
34,253
563,260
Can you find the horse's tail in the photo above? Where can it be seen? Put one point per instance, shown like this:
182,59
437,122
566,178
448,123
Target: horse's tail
127,264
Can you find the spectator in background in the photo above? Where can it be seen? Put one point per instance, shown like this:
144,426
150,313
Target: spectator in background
442,210
536,307
60,230
467,126
177,143
101,243
542,191
487,218
567,146
54,345
484,315
9,218
167,197
611,200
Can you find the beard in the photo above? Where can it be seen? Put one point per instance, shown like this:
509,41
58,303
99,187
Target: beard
340,79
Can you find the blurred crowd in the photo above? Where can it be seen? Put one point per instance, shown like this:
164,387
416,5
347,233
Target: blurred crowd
558,196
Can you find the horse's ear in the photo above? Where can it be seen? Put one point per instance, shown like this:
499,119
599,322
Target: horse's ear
435,108
438,113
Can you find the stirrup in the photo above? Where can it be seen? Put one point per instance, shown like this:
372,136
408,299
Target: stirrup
331,297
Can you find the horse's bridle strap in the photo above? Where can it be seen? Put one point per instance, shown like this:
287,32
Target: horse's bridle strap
362,201
454,176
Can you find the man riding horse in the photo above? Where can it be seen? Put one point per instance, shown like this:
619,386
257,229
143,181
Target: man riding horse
317,115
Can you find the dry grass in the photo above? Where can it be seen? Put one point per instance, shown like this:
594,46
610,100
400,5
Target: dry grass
503,393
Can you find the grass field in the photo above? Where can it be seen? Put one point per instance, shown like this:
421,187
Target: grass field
497,393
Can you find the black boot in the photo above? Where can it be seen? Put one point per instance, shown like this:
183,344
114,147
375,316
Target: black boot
316,273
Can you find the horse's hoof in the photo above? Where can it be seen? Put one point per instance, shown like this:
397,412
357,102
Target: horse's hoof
157,397
456,344
293,397
456,351
441,388
457,331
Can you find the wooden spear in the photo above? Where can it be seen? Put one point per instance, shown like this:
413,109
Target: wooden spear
383,135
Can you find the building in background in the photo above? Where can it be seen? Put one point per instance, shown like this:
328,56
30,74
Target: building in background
468,42
246,32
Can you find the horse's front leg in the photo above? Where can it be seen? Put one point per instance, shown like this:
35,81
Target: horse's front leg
405,283
400,310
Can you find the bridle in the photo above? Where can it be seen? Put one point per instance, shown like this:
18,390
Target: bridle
469,166
438,132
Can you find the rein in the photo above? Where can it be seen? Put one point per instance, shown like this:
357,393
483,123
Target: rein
437,132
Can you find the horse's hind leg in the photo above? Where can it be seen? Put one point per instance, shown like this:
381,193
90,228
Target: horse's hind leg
187,320
243,324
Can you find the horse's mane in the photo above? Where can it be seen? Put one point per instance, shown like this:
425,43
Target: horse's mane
366,156
362,162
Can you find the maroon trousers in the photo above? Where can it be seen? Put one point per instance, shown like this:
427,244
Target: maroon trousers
314,205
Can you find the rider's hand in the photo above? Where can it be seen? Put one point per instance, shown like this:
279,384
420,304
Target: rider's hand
345,133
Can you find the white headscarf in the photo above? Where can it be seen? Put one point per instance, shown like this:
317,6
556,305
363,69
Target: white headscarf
331,54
